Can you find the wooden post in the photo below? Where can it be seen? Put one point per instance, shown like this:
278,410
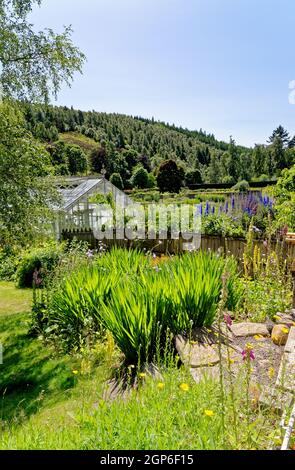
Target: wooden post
293,279
290,240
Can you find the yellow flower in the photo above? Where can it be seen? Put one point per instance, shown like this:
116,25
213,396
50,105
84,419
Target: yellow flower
184,387
259,338
271,372
161,386
276,317
285,330
141,375
293,324
209,413
75,372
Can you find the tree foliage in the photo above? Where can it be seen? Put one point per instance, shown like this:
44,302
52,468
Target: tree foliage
285,199
140,178
170,177
27,193
150,143
34,64
68,159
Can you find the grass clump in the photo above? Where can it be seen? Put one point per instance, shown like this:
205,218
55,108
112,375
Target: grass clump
138,303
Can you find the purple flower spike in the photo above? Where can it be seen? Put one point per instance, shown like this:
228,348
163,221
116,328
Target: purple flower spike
248,352
227,319
89,254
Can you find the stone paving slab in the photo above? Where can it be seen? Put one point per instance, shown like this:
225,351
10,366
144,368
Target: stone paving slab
196,355
249,329
284,318
290,346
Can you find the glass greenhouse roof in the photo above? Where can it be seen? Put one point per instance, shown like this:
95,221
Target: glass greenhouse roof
75,189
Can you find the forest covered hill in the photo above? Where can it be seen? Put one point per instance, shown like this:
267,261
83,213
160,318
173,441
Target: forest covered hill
133,150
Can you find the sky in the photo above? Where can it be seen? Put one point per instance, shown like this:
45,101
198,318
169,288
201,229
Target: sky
221,65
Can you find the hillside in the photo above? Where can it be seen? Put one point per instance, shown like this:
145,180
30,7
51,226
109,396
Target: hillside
121,143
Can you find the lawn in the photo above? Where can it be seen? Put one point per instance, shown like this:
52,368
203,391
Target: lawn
14,300
28,366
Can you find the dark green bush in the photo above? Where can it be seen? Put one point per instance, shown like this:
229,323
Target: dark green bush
242,186
38,264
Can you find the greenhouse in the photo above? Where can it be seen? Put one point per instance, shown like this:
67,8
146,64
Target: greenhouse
79,201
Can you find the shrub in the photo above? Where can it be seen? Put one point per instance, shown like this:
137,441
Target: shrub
228,180
41,261
117,181
263,177
242,186
193,177
140,178
152,182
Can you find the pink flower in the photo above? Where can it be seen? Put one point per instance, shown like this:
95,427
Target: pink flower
227,319
248,352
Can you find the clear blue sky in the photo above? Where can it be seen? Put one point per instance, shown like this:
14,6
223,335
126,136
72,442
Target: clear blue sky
220,65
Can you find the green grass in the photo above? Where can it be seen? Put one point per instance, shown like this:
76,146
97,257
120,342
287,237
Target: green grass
54,401
148,419
14,300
